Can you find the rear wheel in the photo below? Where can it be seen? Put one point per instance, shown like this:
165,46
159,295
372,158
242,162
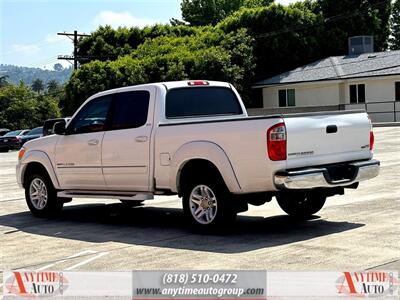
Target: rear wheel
41,196
207,203
4,150
301,205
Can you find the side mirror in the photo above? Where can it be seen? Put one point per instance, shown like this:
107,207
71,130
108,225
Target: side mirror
59,128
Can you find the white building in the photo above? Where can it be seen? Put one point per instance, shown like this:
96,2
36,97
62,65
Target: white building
368,81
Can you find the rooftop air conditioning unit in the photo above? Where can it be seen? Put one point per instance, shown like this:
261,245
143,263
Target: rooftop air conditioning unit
361,44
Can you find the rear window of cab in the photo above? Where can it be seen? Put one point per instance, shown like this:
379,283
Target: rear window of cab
193,102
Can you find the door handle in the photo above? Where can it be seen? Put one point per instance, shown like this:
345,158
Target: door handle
331,129
93,142
141,138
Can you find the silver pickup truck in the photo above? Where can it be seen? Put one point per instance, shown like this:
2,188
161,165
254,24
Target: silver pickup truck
194,139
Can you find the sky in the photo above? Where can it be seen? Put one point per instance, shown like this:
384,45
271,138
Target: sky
28,28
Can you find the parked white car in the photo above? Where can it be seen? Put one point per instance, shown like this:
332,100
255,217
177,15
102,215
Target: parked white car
194,139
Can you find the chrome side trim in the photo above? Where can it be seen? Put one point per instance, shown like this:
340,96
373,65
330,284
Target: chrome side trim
316,178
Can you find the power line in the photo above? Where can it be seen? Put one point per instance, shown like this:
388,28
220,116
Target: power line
74,37
37,44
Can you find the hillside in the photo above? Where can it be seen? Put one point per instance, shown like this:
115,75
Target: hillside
26,74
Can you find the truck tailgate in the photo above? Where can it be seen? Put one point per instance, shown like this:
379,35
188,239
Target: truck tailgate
326,138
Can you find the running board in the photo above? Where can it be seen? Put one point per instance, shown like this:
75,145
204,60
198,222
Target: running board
105,195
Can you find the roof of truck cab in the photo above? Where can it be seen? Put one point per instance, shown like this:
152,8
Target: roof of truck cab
167,85
185,83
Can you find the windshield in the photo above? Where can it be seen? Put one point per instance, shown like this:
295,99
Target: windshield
37,130
13,133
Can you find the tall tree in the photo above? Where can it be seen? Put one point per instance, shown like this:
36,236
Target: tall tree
52,86
210,53
3,80
347,18
58,67
37,85
208,12
395,27
20,107
257,3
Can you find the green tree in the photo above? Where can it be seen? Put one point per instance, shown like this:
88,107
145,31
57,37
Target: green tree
395,27
209,54
253,40
46,107
52,86
3,80
58,67
37,85
107,43
257,3
347,18
21,108
277,47
206,12
287,37
17,107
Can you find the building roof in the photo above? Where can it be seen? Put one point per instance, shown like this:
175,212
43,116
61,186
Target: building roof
341,67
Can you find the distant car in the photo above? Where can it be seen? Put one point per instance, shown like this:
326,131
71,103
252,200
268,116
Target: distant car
12,140
33,134
3,131
48,126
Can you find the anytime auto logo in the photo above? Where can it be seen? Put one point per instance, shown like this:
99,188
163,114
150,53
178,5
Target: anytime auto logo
368,284
28,283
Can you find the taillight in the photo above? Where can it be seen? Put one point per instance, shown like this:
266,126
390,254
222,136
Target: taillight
198,82
371,135
371,140
276,142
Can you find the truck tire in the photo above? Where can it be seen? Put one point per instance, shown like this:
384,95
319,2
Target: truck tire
41,196
301,205
208,204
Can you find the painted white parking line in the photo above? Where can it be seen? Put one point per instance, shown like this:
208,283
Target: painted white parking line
82,253
86,261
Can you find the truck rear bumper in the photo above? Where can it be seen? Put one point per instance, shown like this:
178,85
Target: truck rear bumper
327,177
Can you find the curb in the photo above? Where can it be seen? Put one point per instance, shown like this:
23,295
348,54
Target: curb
386,124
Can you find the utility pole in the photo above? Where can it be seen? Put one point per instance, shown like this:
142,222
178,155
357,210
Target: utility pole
74,38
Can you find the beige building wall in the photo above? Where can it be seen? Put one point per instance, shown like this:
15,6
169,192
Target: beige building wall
327,95
318,94
377,89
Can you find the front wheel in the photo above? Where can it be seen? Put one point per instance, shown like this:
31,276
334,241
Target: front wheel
207,204
301,205
41,197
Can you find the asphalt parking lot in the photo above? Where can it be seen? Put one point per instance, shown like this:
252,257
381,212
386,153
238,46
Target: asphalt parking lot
360,230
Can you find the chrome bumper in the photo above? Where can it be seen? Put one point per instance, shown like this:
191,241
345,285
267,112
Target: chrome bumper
319,177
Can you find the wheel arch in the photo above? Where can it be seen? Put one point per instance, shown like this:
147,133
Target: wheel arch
202,153
38,161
